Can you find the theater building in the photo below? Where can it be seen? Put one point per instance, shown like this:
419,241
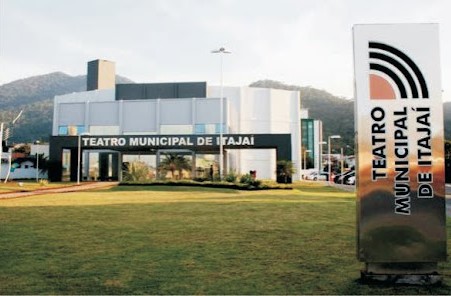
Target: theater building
96,131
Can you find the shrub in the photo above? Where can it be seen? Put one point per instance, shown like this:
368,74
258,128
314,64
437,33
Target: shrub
231,177
250,181
43,182
246,179
200,179
137,171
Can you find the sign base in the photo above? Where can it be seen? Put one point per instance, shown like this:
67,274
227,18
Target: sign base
423,274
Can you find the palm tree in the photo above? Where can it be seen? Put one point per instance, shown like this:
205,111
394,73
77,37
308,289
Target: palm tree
285,169
174,162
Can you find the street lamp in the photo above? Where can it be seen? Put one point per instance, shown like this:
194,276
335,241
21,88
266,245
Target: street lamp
6,136
320,160
79,155
37,160
328,158
221,51
342,166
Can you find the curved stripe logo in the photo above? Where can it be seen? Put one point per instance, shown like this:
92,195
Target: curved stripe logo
394,75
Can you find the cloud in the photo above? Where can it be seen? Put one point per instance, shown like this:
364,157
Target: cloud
295,41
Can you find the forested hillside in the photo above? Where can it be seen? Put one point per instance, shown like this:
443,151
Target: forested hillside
337,114
34,95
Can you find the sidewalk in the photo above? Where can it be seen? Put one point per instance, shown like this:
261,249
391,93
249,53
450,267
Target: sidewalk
82,187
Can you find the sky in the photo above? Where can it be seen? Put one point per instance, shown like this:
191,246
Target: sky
300,42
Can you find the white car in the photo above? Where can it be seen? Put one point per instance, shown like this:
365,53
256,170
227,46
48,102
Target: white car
351,180
312,176
315,176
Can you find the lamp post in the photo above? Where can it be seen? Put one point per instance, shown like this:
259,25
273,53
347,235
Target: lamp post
221,51
10,150
79,156
342,166
37,160
328,157
320,161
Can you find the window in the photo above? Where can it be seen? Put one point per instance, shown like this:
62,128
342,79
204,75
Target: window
209,128
199,129
218,128
62,130
70,130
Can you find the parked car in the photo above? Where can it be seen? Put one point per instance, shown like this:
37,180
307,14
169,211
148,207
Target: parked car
323,176
351,180
346,178
312,176
315,176
341,178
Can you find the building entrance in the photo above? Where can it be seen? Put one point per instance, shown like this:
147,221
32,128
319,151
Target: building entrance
112,149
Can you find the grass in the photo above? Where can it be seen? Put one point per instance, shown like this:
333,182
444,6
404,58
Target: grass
25,186
185,240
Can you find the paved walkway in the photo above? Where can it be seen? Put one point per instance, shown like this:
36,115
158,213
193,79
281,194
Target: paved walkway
82,187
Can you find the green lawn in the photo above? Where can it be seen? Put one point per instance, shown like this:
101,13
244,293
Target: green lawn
160,240
29,185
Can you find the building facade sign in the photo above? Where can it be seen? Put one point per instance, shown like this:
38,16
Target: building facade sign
162,141
399,127
151,144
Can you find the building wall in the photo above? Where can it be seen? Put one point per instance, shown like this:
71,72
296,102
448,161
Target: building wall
246,111
261,110
101,75
105,116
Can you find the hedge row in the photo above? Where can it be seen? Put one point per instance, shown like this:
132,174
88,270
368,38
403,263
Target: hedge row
208,184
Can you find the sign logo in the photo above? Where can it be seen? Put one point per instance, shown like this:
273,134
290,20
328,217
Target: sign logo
393,74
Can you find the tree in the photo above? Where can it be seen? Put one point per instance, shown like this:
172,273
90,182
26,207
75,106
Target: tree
285,169
136,171
174,162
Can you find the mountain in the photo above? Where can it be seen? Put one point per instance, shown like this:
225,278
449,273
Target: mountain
34,95
336,113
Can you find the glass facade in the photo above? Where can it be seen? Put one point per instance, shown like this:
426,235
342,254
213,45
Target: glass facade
308,141
70,130
201,129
